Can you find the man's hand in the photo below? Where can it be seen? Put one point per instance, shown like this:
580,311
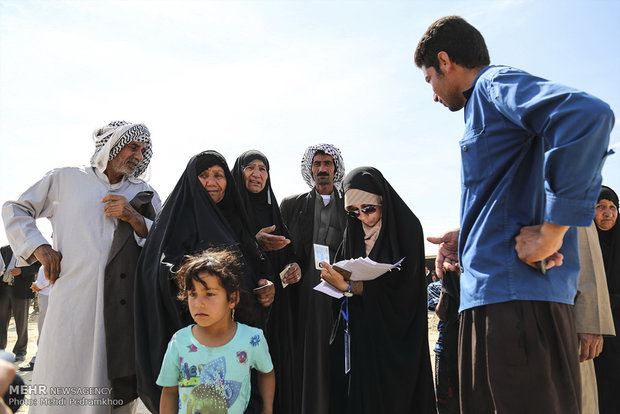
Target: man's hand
16,271
590,346
448,253
267,294
541,242
50,260
293,275
34,287
269,242
117,206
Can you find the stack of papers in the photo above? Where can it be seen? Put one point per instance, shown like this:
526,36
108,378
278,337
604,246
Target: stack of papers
361,269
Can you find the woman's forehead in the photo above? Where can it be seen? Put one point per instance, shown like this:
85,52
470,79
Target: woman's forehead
214,168
605,202
256,163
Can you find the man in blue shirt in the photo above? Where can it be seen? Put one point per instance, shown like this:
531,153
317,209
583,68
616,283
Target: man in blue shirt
532,154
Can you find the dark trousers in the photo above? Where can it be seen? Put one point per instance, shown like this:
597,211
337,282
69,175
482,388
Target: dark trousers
10,305
446,370
519,357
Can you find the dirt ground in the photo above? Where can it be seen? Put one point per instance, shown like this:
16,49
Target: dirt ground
33,335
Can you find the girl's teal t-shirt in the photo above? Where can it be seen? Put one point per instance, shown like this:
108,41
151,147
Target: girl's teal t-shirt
216,379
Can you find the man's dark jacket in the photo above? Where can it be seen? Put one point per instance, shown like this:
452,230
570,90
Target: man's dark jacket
118,302
298,215
21,283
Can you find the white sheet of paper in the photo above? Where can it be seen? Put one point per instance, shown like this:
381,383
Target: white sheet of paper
321,254
328,289
364,268
361,269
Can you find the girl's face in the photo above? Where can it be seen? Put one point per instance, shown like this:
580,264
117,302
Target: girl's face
214,180
210,306
369,214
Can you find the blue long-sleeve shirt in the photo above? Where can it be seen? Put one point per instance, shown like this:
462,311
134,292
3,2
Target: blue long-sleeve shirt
532,152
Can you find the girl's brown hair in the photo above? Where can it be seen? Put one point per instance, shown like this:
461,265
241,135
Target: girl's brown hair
223,263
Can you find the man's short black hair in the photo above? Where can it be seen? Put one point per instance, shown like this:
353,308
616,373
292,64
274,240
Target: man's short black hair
459,39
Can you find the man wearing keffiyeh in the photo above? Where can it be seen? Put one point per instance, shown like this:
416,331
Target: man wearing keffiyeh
100,215
314,218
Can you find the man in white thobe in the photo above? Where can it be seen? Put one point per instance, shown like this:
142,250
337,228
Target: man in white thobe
85,360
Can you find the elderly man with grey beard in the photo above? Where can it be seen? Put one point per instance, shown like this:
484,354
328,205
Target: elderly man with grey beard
100,215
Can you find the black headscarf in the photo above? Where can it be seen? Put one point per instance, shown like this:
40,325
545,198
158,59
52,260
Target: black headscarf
608,194
188,222
388,323
262,208
263,211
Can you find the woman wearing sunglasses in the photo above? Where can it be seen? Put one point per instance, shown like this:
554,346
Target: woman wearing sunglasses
390,368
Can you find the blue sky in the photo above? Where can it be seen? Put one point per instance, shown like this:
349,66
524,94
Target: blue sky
276,76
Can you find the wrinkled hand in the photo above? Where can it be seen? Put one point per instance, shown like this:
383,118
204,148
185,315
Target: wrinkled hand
590,346
266,295
16,271
118,207
293,275
331,276
270,242
50,260
448,253
541,242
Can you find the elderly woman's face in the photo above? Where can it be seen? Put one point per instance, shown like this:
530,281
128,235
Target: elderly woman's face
605,214
255,176
214,180
369,214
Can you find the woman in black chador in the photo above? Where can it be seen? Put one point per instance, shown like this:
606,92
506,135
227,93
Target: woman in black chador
607,364
390,369
203,210
252,176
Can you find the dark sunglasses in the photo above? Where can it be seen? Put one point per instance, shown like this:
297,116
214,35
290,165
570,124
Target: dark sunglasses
366,210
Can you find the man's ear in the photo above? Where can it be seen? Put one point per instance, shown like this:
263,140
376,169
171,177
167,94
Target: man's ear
445,63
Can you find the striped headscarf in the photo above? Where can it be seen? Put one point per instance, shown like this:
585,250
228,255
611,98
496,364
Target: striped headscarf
110,140
306,164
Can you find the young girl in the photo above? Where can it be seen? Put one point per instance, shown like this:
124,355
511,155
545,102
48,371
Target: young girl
207,366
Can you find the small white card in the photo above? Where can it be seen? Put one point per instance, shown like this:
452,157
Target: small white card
328,289
256,289
321,254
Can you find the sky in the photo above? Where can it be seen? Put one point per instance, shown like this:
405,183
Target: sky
277,76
